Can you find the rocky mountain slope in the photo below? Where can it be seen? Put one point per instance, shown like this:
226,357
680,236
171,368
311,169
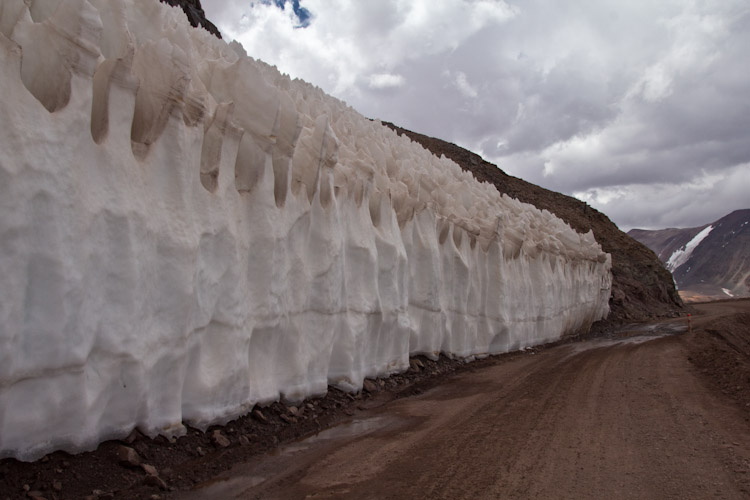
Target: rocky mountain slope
641,287
707,262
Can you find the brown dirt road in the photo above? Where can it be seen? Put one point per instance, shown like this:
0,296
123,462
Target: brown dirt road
643,415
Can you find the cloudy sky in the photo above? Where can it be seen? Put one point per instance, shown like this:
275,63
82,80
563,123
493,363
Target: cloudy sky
640,108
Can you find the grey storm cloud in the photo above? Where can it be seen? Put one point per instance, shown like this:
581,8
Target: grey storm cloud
640,108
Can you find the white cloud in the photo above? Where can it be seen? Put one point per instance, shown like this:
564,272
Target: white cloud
385,80
694,43
463,85
689,203
655,85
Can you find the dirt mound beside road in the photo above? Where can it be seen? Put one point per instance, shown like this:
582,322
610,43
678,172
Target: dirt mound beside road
720,348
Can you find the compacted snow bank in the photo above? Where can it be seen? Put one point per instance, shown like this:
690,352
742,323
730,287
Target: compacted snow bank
186,232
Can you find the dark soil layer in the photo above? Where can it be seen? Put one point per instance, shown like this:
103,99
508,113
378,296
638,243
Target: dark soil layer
721,351
642,288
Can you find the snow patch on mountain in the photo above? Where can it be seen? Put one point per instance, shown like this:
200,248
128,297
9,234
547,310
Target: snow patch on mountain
680,256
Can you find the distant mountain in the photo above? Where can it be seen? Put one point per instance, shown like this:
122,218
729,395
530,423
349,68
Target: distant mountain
707,262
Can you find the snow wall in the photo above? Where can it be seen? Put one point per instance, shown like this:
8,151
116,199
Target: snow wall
185,232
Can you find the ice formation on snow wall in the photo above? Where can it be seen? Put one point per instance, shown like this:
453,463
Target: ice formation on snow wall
185,233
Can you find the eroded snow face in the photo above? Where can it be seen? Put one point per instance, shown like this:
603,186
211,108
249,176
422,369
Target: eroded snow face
185,233
682,255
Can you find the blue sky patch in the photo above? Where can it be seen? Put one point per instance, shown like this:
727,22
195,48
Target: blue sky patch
303,15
